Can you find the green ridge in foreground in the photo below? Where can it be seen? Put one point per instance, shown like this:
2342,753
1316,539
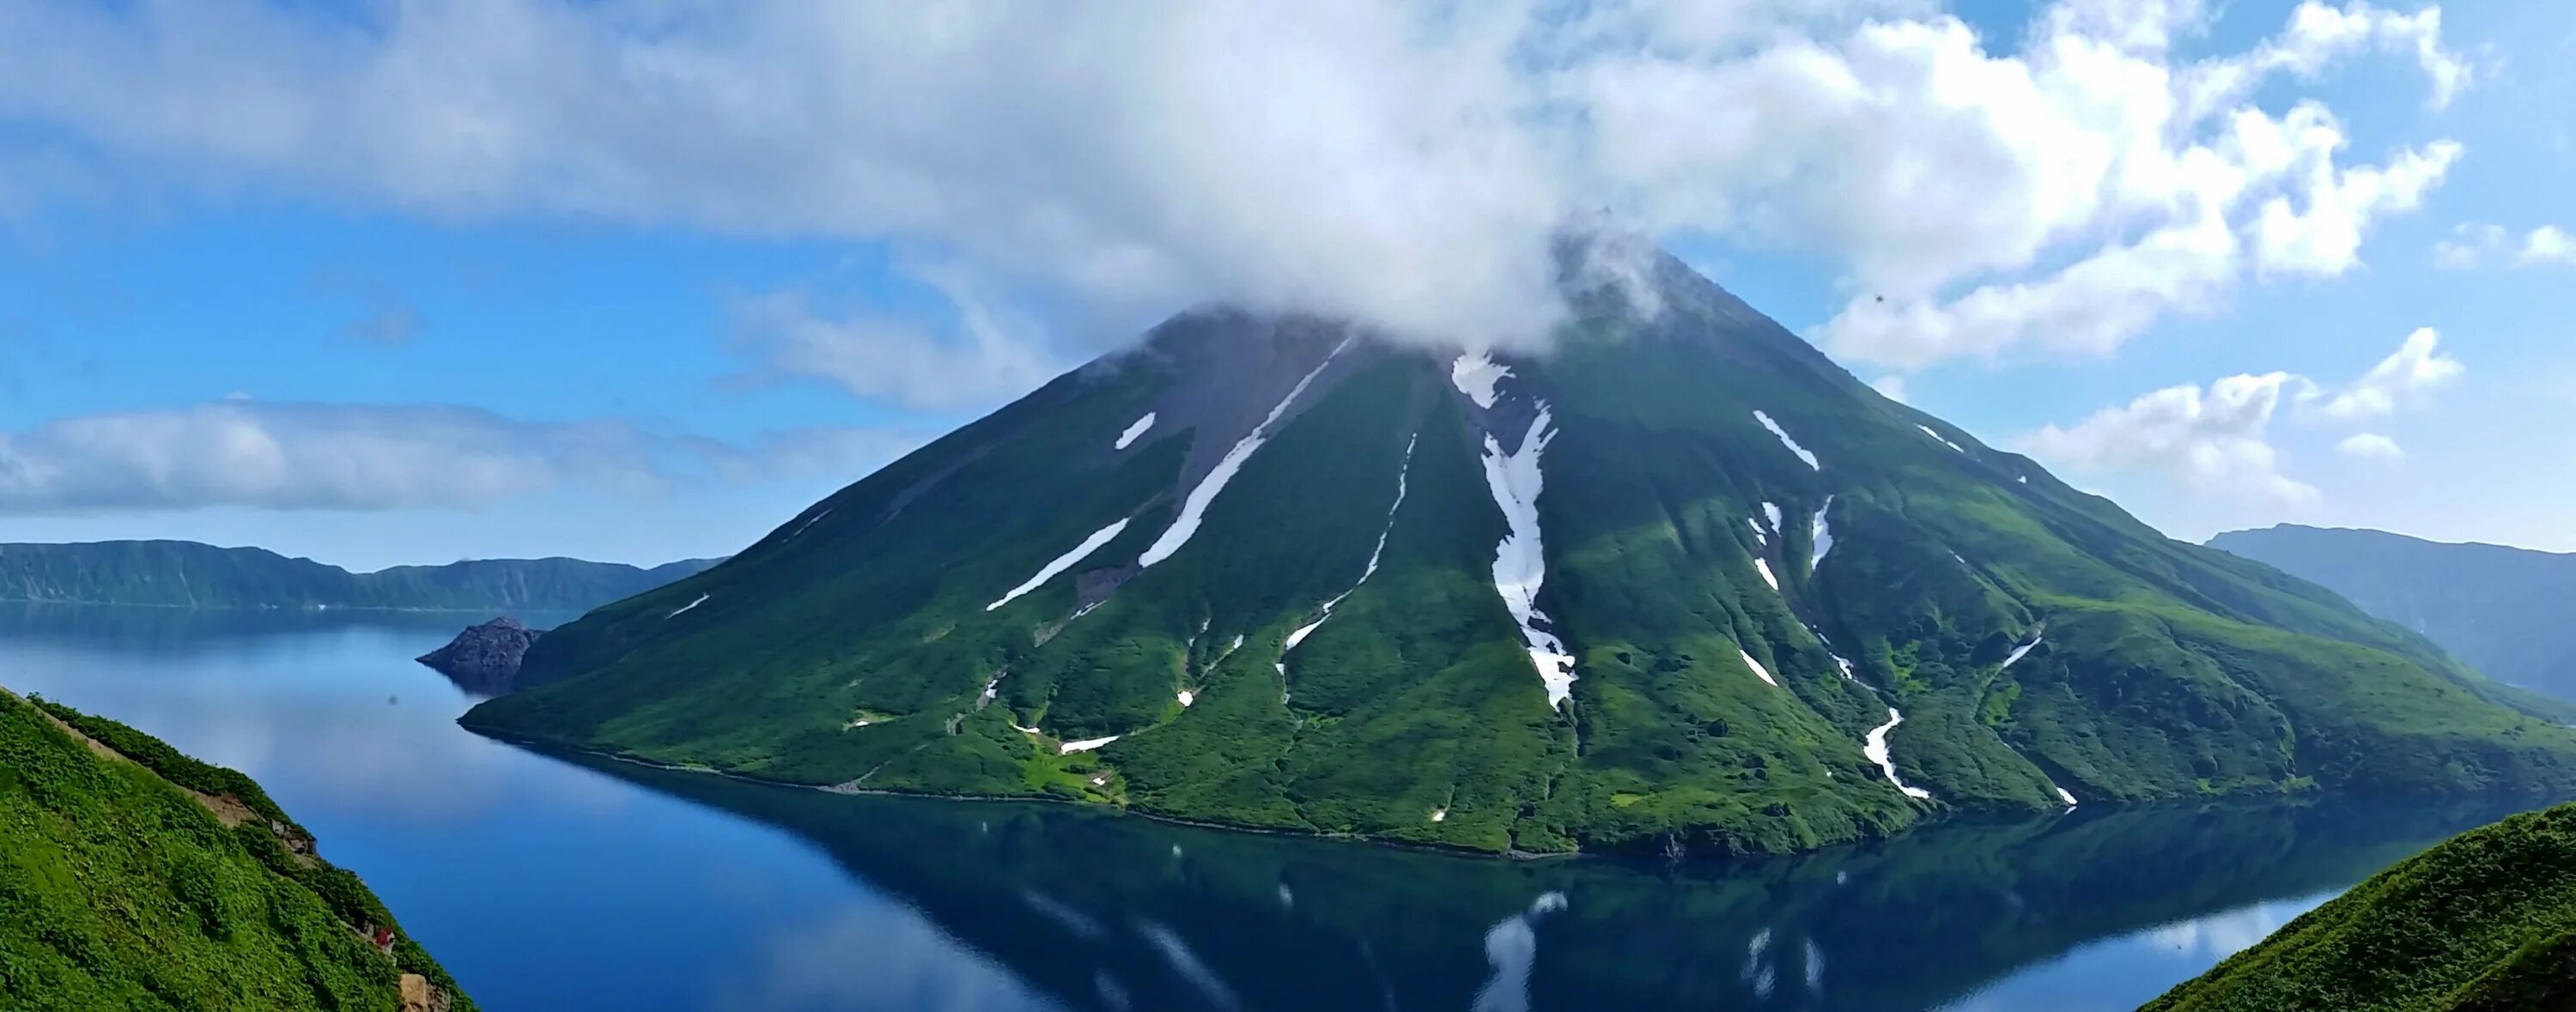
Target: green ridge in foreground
121,887
2483,923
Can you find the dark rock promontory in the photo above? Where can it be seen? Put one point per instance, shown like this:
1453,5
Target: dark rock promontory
484,660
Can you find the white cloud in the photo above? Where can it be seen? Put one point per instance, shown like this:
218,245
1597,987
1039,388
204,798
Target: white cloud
1403,163
2218,440
989,355
2477,244
2370,446
364,457
2212,441
2548,244
2411,374
1891,387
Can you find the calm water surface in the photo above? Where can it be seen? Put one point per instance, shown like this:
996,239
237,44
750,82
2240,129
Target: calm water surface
548,884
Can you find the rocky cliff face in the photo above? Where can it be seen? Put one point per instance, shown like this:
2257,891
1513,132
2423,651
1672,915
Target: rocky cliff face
484,660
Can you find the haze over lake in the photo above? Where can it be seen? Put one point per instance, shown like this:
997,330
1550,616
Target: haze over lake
545,883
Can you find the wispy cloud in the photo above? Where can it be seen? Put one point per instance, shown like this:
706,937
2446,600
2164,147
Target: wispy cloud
370,457
2411,374
2217,440
2483,244
391,324
984,354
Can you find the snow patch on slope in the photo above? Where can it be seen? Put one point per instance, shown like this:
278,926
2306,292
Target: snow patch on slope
1763,566
1760,536
1771,510
2063,796
1194,506
1792,444
2020,652
1085,745
1128,437
1520,564
809,522
1823,536
1944,440
1757,667
684,609
1187,697
1063,562
1876,749
1476,376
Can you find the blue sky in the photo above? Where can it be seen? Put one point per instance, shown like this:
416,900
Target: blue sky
381,283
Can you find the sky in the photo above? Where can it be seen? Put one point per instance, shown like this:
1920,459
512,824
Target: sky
381,282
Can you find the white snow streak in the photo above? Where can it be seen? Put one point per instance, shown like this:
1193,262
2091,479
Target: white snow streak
1401,471
1760,537
1194,506
1763,566
809,522
1757,667
1844,663
1823,536
683,609
1128,437
1792,444
1063,562
1085,745
1299,634
1476,376
2020,652
1520,563
1927,430
1188,697
1772,510
2063,796
1876,749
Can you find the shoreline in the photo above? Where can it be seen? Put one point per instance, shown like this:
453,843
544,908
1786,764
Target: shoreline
1514,856
1938,819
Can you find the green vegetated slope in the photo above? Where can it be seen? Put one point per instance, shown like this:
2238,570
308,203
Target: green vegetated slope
190,575
2036,640
2484,922
2500,610
120,888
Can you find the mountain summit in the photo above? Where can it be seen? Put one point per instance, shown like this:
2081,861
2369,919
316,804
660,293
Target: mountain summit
1680,585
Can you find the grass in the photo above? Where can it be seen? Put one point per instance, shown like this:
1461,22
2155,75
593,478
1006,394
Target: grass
118,889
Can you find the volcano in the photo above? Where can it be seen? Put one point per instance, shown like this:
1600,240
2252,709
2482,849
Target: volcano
1679,585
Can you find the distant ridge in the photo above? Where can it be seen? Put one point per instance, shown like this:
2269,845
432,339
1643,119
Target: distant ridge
2502,610
186,574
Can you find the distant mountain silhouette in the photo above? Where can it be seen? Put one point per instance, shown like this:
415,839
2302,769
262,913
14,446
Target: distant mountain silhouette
2502,610
185,574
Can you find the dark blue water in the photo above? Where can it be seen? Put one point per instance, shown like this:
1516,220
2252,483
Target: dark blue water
549,884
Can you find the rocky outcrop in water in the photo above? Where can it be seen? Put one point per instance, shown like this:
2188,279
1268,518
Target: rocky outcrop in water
484,660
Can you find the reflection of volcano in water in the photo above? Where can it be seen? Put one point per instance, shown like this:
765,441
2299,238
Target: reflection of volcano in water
1098,911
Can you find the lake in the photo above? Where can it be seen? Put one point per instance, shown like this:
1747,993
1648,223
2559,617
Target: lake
549,883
